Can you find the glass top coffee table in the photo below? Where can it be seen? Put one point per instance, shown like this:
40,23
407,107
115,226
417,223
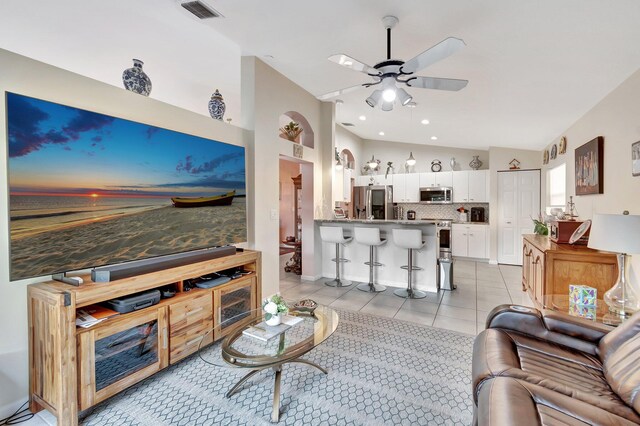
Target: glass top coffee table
238,350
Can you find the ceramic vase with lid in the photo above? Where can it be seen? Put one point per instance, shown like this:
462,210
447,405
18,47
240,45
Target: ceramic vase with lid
475,164
135,80
217,106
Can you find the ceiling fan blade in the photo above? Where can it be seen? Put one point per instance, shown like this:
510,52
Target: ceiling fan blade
354,64
451,84
444,49
338,92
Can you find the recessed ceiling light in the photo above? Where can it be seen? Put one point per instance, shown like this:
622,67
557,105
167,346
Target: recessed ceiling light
362,117
381,133
425,121
434,138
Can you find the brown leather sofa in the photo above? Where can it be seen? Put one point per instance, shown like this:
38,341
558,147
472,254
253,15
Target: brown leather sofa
533,367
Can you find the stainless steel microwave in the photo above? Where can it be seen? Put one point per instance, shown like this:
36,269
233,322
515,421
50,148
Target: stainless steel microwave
436,195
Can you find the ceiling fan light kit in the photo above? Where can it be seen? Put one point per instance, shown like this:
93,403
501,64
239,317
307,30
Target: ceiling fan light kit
393,72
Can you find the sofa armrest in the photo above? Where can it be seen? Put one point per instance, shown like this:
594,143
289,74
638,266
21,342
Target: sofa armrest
563,329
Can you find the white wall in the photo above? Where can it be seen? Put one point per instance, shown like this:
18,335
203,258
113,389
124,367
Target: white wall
347,140
499,159
26,76
616,119
424,154
266,95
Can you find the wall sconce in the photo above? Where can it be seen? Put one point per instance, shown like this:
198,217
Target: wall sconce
338,160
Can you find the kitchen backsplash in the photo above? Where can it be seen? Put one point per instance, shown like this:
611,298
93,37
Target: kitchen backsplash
443,211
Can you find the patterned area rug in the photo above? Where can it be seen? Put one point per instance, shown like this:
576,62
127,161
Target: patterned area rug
381,372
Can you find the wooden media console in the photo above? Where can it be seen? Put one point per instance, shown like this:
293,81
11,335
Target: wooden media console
72,369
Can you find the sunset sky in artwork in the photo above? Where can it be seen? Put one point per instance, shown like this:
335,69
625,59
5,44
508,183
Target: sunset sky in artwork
60,150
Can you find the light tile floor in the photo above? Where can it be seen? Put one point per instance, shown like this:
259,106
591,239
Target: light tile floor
480,287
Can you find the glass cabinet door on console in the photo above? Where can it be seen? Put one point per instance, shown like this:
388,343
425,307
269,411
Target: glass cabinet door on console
234,306
120,352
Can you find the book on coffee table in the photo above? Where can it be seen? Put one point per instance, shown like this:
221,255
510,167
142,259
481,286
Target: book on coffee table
265,332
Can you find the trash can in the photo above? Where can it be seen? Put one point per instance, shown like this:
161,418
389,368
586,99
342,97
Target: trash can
445,274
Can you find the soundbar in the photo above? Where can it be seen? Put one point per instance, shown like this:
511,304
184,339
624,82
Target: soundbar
108,273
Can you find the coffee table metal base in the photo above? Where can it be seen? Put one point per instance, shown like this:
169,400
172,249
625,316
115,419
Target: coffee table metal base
275,414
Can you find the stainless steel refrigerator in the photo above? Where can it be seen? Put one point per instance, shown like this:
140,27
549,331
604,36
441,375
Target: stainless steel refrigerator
373,202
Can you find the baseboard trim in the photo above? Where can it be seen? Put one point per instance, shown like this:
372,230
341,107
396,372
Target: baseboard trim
310,277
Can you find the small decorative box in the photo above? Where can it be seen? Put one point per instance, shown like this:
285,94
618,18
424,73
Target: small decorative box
582,295
582,311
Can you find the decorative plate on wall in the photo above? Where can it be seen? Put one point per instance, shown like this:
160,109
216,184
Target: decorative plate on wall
545,157
554,151
563,145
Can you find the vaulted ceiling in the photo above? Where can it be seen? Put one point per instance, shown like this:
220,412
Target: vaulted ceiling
534,68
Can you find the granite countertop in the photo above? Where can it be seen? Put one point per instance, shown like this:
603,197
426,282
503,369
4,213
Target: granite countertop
399,221
380,221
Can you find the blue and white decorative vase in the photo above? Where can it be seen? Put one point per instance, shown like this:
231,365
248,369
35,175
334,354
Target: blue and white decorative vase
217,106
135,80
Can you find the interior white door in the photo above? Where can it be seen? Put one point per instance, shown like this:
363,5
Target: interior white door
528,205
518,202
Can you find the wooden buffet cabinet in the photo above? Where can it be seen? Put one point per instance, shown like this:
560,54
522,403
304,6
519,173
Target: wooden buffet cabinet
548,268
70,369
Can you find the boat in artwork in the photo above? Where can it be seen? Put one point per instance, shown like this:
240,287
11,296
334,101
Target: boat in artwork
217,200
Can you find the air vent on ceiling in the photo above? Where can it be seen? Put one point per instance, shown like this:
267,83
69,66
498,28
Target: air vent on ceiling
348,124
200,10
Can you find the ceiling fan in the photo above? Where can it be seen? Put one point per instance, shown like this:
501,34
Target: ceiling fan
391,72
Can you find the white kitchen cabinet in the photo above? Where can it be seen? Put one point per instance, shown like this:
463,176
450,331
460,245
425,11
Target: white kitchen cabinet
477,241
363,180
432,179
459,241
478,182
381,180
399,183
470,186
406,188
469,240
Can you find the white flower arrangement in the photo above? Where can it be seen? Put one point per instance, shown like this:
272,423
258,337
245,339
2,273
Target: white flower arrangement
274,305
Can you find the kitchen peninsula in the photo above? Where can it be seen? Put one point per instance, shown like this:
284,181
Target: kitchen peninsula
388,254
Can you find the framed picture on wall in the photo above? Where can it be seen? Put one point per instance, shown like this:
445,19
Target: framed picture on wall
589,170
635,159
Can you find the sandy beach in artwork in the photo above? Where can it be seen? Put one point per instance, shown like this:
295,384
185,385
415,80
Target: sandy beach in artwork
127,237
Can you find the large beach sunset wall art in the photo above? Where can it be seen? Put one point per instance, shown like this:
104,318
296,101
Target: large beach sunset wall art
87,189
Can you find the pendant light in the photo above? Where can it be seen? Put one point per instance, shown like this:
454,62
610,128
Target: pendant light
411,161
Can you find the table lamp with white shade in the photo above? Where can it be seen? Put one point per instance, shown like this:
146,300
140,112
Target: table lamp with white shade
618,233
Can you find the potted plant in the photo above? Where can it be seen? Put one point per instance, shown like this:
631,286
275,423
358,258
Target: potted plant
464,217
274,307
540,227
291,131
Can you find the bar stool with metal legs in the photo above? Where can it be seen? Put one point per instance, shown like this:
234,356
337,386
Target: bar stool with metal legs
370,237
335,235
410,239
